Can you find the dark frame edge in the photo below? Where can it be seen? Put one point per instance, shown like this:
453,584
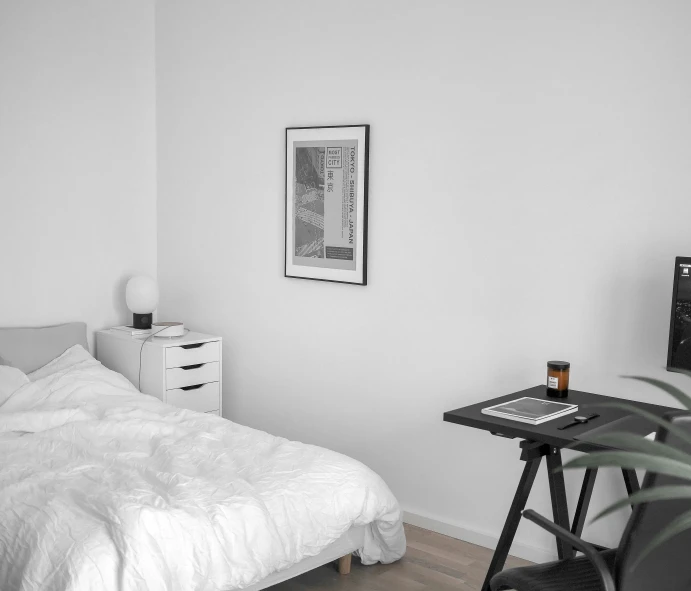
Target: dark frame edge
285,204
675,288
365,206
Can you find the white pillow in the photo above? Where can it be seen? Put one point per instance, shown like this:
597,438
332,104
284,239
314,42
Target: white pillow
11,379
74,355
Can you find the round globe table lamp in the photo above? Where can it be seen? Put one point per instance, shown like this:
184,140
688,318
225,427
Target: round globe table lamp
141,295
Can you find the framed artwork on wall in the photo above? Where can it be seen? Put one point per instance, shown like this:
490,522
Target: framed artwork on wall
327,176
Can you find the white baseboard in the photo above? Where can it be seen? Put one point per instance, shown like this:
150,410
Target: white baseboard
458,531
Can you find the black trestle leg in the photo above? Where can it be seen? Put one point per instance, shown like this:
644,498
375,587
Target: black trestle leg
514,517
557,490
584,501
631,481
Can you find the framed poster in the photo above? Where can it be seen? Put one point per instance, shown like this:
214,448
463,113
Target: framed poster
327,173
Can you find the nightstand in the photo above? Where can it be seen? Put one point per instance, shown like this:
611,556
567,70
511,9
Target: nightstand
182,371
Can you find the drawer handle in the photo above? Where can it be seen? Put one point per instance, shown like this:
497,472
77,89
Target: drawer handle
192,346
196,366
186,388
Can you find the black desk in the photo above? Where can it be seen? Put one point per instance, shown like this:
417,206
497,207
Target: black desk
546,440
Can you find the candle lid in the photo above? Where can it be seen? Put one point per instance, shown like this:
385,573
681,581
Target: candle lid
558,365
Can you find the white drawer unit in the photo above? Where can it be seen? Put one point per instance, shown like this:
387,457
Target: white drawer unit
200,397
190,375
185,371
193,354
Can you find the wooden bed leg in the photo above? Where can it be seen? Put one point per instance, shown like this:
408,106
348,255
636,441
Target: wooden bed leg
344,564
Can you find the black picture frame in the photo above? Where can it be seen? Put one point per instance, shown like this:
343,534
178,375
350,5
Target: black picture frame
679,335
316,247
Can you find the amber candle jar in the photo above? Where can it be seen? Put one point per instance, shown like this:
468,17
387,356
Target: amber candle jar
558,378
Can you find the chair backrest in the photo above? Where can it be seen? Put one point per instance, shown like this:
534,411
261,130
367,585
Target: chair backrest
667,568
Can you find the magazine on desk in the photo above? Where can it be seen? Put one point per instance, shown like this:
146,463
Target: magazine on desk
530,410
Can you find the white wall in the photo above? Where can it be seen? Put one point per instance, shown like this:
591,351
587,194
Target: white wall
530,186
77,158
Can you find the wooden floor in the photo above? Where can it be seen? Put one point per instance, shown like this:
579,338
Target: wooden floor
432,562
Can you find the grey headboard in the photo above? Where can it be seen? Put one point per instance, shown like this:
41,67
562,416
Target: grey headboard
30,348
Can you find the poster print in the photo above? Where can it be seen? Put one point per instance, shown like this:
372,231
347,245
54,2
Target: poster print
326,203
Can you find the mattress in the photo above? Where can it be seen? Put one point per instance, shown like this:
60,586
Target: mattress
104,487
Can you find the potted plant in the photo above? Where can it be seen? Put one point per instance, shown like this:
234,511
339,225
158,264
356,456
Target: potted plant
632,451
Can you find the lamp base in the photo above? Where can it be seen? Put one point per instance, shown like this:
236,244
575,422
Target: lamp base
141,321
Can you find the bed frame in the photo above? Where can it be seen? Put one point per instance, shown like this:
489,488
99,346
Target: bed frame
31,348
340,550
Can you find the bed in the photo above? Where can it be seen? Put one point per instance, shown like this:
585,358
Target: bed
104,487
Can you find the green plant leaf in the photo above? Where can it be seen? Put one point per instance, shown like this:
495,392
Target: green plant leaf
633,461
682,434
631,442
647,495
680,524
673,391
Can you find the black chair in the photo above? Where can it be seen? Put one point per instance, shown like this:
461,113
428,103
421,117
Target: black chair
667,568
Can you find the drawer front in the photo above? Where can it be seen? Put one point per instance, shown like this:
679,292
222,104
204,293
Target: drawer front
192,354
205,398
179,377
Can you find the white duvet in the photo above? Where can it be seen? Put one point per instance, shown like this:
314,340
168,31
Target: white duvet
102,487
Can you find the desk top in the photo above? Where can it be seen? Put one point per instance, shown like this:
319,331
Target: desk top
548,432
